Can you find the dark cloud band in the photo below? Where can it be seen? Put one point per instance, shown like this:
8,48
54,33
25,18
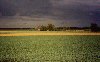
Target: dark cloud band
66,10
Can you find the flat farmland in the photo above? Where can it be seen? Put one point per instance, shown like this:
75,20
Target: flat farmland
32,33
50,48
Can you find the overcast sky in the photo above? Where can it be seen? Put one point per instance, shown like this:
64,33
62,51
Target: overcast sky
31,13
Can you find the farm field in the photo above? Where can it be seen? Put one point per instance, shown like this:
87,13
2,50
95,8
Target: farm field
46,48
31,33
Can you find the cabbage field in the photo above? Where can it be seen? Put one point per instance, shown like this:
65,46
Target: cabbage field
50,48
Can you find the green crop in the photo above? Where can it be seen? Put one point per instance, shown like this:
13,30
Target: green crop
50,49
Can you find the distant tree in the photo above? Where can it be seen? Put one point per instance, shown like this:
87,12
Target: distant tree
43,28
94,27
51,27
61,28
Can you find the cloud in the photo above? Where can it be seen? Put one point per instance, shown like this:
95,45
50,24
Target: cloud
75,11
45,7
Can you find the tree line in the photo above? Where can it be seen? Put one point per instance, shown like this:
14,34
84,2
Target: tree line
50,27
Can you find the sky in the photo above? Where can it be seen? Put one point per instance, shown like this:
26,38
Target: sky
32,13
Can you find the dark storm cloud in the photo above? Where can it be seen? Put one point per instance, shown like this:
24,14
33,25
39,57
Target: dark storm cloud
6,9
25,7
58,8
73,11
96,15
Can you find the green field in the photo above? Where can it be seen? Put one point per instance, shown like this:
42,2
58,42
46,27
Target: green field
50,49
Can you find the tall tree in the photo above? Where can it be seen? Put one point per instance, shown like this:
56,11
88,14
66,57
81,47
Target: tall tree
94,27
50,27
43,28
